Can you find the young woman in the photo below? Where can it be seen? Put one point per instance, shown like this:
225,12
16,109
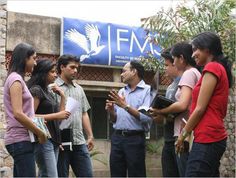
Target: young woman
168,157
19,111
185,64
46,106
208,109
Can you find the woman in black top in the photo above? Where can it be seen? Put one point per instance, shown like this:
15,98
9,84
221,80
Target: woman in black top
46,106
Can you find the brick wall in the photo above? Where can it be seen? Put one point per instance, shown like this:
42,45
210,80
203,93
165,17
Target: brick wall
5,160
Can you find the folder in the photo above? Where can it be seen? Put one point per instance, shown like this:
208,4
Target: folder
159,102
40,123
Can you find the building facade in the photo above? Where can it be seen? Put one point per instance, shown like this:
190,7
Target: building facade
44,34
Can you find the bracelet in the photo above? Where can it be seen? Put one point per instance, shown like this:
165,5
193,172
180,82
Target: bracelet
91,137
184,133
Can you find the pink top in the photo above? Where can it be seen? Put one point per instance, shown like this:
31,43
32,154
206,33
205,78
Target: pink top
15,131
189,78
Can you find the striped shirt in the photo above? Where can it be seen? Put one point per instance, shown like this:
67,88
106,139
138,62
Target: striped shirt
75,91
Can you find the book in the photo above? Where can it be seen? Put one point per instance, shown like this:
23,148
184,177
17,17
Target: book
144,110
40,123
66,139
158,102
161,102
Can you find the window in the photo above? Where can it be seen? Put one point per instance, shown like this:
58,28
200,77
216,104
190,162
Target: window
102,128
98,116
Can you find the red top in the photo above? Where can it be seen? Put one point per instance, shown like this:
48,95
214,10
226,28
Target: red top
211,126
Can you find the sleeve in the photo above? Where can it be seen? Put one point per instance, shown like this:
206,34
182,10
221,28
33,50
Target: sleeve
146,120
213,68
14,78
189,78
36,91
85,103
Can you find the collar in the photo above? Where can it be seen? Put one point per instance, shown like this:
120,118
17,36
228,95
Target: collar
141,84
61,82
177,78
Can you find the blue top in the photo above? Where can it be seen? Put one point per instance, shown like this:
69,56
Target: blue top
169,125
141,96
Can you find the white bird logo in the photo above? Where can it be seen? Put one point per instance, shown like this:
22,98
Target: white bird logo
92,40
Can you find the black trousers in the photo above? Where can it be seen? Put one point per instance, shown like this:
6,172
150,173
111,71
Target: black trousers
127,155
168,160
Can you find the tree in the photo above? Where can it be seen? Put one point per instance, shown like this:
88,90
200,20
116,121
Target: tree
184,22
190,18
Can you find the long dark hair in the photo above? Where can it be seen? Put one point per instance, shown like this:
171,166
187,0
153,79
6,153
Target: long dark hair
40,73
184,49
20,55
212,42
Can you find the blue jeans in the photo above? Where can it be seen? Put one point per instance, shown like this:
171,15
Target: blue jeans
168,160
204,159
23,156
127,155
46,156
79,159
182,159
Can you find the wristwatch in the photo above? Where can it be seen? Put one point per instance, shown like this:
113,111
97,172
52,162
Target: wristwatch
127,107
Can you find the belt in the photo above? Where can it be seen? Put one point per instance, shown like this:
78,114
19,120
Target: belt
127,133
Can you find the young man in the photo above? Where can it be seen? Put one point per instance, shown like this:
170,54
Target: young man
128,139
168,159
78,157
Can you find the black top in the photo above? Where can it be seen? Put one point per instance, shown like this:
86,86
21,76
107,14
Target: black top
169,126
48,104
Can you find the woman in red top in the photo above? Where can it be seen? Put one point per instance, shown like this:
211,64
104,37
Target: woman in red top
208,109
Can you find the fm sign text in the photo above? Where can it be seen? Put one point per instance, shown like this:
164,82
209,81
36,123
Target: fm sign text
133,39
105,43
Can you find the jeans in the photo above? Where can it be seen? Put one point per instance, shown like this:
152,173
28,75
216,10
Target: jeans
127,155
79,159
182,159
168,160
204,159
46,156
23,156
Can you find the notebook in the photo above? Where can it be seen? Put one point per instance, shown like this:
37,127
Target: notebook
40,123
158,102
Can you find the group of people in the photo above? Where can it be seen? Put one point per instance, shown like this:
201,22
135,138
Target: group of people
44,95
194,141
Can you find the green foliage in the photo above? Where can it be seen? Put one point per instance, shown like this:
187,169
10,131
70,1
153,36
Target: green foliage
151,63
185,21
94,154
155,147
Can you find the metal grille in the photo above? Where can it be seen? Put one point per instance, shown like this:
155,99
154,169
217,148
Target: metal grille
96,73
148,78
86,73
164,80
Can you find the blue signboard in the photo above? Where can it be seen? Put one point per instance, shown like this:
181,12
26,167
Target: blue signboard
104,43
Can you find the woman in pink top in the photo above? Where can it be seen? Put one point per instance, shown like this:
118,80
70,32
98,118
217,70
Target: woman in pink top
208,109
19,109
185,64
